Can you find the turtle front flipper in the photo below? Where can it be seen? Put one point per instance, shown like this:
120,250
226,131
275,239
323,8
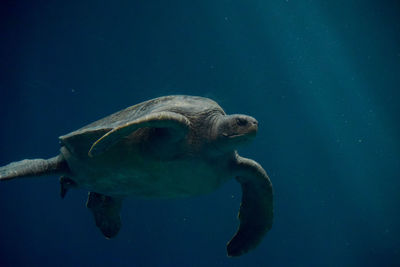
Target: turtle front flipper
106,212
256,209
162,119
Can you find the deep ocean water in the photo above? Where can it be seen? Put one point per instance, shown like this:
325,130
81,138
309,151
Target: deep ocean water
321,77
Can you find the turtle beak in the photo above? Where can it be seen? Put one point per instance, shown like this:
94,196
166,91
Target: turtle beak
252,127
250,130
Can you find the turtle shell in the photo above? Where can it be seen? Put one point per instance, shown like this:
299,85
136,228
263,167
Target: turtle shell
192,107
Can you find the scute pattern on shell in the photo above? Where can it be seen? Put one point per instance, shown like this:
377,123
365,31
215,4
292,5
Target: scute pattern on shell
196,109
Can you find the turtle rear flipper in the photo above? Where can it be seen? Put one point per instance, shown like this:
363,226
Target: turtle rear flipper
34,167
66,183
106,212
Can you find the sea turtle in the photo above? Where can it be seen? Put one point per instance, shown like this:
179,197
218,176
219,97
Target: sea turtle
171,146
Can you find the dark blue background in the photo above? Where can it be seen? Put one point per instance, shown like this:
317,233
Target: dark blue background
322,78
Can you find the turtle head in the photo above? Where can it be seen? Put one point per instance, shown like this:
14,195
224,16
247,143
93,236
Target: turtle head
234,130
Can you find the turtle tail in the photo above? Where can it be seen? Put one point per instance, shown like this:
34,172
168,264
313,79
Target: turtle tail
33,167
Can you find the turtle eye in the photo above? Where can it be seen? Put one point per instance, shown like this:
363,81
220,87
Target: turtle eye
241,122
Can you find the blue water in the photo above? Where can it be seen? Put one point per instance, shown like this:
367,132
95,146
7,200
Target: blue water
321,77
